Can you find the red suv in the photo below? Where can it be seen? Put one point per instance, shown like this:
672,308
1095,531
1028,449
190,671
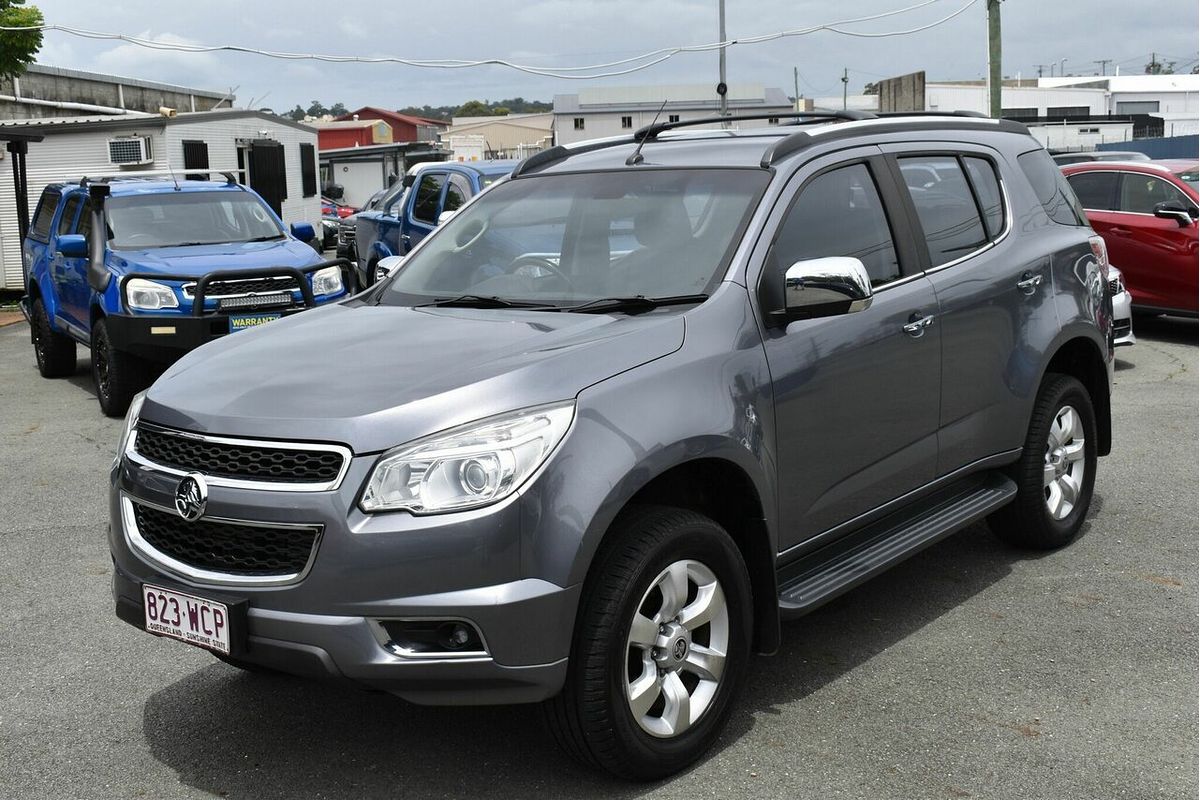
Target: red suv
1146,211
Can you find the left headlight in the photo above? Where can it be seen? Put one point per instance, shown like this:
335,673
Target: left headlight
327,281
131,421
467,467
149,296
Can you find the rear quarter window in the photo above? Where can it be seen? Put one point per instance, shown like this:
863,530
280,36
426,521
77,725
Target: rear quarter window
39,229
1051,188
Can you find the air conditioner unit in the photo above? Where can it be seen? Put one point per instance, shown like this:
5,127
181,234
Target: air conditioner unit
130,150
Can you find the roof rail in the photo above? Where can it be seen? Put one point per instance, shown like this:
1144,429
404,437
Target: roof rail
553,155
157,173
956,113
652,131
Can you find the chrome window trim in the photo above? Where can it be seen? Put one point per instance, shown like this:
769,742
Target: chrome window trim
240,483
195,576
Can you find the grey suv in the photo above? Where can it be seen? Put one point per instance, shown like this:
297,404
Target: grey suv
626,412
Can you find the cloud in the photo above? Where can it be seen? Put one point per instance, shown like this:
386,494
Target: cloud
198,70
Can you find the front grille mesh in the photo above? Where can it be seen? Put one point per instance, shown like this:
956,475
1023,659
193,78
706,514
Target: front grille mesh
226,547
250,462
245,286
1114,287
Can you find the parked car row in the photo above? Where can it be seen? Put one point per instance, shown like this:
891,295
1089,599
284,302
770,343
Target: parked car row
179,264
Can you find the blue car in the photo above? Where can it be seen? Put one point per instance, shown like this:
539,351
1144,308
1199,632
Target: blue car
182,263
409,212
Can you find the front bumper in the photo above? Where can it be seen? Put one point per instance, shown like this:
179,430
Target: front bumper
166,337
1123,319
368,570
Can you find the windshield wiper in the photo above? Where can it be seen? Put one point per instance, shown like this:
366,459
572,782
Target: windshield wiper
477,301
270,238
634,304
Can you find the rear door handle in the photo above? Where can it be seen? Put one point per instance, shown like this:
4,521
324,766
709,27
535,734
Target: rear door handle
1120,231
1029,283
917,325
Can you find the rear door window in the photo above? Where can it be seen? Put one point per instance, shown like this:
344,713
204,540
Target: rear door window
839,213
946,206
39,229
457,193
987,190
1097,191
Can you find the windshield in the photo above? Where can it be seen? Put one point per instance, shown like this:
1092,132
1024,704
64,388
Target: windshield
571,239
188,218
1190,176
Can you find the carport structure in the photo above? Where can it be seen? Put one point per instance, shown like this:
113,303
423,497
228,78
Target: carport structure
18,145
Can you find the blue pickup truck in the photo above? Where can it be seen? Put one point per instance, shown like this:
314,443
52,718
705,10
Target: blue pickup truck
410,212
182,263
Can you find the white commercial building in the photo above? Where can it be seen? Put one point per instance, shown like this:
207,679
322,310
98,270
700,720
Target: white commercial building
273,155
1175,99
600,111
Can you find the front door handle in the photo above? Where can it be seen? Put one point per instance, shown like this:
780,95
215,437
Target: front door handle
1029,283
1120,231
917,325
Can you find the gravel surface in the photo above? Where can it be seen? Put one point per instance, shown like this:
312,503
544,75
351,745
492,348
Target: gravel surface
972,670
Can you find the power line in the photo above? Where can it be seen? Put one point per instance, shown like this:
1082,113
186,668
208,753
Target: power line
650,58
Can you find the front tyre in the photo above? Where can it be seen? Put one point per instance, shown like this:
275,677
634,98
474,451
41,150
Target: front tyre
661,645
1056,472
118,375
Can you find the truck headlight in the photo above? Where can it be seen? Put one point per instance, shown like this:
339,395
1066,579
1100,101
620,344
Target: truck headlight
148,295
327,281
470,466
131,421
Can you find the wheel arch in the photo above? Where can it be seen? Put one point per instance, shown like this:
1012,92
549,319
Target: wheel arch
1082,358
723,491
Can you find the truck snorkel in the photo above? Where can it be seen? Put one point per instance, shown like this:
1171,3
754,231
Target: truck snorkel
98,277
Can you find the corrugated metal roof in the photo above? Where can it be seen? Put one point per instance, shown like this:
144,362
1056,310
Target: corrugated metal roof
140,119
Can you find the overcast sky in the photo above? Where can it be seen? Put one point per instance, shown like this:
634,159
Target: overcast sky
575,32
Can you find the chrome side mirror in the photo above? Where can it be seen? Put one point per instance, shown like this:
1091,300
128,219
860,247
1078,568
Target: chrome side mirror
386,266
826,287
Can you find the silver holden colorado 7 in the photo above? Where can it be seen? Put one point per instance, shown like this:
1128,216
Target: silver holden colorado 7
601,432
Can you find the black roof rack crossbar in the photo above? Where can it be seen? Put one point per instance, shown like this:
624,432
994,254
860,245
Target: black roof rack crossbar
553,155
651,131
956,113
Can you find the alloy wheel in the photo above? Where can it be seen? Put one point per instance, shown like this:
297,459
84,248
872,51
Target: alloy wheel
1065,467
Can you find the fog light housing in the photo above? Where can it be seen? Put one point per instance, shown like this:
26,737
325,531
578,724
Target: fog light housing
432,638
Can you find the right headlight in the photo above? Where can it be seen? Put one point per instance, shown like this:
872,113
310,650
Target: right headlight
149,295
327,281
467,467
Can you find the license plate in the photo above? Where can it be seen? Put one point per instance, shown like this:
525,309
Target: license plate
186,617
241,322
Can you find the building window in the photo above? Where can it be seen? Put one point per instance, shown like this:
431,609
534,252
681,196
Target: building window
1089,130
1068,111
626,122
579,123
1138,107
672,118
1019,113
195,156
772,120
308,169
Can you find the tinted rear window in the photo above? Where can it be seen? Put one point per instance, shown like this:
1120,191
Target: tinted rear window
39,229
1095,190
1051,188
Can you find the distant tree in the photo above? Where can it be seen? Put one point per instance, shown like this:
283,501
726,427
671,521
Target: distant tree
871,88
501,111
296,113
18,48
1156,67
316,109
337,110
473,108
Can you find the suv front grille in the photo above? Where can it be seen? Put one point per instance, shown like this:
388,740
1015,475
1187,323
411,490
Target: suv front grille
250,461
227,547
281,283
1114,287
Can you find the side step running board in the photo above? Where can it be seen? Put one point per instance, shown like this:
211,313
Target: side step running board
839,567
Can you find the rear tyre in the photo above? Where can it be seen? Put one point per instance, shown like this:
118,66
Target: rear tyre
118,375
661,644
55,352
1056,472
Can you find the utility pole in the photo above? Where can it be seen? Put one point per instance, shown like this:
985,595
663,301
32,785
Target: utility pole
1104,62
994,74
1040,67
722,87
845,85
796,82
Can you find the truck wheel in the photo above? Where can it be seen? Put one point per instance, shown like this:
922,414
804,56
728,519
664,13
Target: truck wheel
118,375
1056,472
55,352
661,644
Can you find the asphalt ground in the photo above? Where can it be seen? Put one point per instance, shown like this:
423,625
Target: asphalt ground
972,670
